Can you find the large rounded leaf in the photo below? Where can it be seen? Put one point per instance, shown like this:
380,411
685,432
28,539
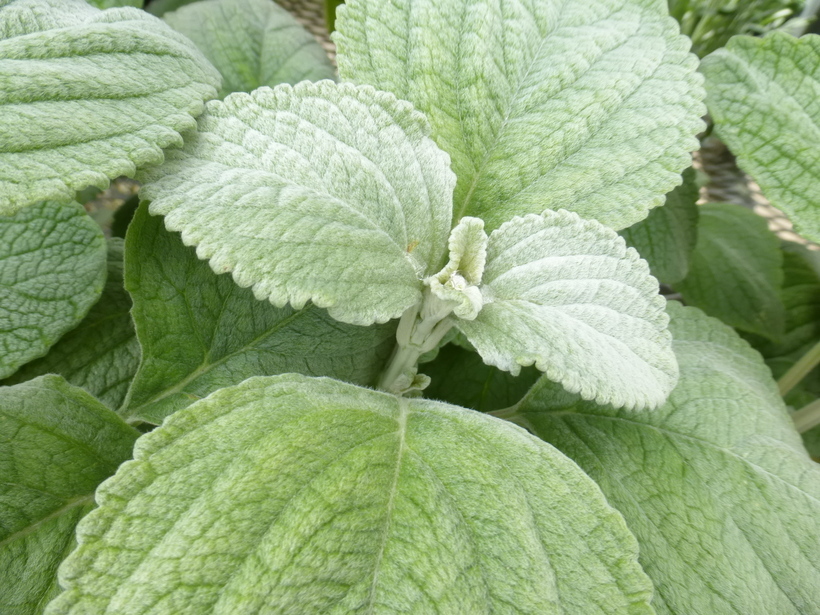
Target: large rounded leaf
322,192
589,106
87,95
287,494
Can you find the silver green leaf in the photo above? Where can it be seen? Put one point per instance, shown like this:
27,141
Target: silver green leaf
57,443
668,235
567,295
320,192
52,270
252,43
287,494
200,332
763,98
542,104
102,353
735,271
86,96
716,484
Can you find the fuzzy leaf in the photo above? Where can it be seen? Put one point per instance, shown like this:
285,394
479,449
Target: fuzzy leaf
52,270
57,443
735,271
542,104
252,43
764,97
87,95
715,484
567,295
201,332
288,494
322,192
668,235
102,354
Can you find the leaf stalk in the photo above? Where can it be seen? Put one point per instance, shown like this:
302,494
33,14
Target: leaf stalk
799,370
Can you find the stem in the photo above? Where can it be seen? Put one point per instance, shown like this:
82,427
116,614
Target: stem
799,370
807,417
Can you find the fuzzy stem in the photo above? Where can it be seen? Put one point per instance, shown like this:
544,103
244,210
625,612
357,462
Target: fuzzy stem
799,370
807,417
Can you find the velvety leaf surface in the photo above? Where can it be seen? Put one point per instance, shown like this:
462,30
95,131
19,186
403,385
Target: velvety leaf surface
86,96
568,296
287,494
252,43
542,104
201,332
735,271
52,270
322,192
102,354
764,97
459,376
57,443
668,235
716,485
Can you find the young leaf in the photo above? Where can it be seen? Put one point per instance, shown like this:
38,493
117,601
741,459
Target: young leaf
57,443
567,295
102,354
762,96
322,192
201,332
542,104
667,236
86,96
287,494
715,484
252,43
52,270
735,271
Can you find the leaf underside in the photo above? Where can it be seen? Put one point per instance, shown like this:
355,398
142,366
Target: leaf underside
289,494
322,192
715,485
52,270
542,104
86,96
57,443
764,97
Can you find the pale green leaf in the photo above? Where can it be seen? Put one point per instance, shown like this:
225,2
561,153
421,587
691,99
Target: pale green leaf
322,192
200,332
567,295
459,376
735,271
666,238
252,43
102,354
542,104
716,485
109,4
86,96
764,97
57,443
287,494
52,270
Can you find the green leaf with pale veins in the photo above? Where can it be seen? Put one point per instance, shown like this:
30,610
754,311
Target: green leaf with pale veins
102,354
716,485
320,192
667,236
200,332
764,97
542,104
57,443
252,43
88,95
735,271
288,494
567,295
52,270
